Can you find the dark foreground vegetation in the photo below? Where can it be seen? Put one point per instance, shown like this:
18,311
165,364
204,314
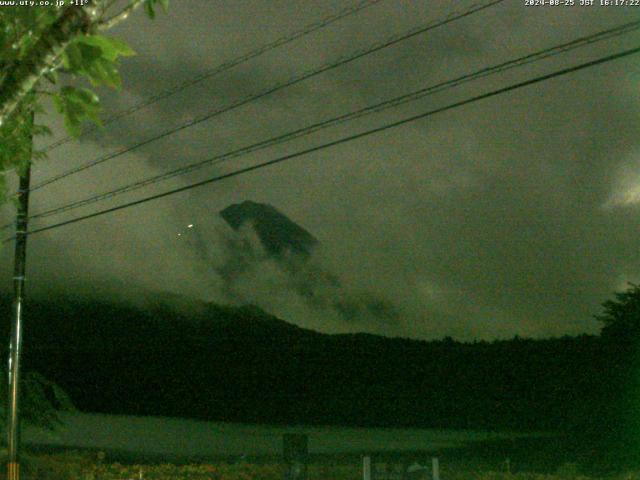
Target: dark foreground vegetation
240,364
84,466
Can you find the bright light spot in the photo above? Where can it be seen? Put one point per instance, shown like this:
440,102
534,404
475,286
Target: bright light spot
190,225
625,195
630,197
626,187
179,234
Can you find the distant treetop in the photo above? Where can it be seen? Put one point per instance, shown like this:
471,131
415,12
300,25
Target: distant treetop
621,316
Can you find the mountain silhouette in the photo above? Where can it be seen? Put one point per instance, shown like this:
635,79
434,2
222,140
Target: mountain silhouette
277,233
242,364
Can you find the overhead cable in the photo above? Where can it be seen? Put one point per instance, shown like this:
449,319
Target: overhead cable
272,89
342,140
378,107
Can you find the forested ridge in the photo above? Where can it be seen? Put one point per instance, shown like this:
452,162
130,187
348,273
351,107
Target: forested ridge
241,364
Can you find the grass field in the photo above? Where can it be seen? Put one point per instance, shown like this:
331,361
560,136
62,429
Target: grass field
110,447
77,466
148,438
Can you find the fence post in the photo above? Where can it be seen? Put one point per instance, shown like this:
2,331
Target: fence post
295,447
435,468
366,468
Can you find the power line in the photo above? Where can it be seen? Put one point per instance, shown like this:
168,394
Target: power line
292,81
257,96
396,101
325,22
343,139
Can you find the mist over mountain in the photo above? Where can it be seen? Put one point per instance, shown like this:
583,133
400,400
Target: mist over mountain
268,251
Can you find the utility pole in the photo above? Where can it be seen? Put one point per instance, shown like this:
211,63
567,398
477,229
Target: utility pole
15,342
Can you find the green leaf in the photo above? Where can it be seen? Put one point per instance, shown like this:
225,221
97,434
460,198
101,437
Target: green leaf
16,138
52,77
89,54
77,105
104,72
41,130
148,7
72,58
38,155
95,57
111,48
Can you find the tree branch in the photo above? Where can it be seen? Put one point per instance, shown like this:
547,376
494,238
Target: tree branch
122,15
21,77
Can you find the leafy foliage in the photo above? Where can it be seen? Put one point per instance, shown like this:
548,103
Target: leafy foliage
92,58
77,105
21,27
621,317
150,7
15,143
96,58
41,401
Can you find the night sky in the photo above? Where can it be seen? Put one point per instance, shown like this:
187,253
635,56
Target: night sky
517,214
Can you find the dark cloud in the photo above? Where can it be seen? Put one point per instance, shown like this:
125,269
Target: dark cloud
513,215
